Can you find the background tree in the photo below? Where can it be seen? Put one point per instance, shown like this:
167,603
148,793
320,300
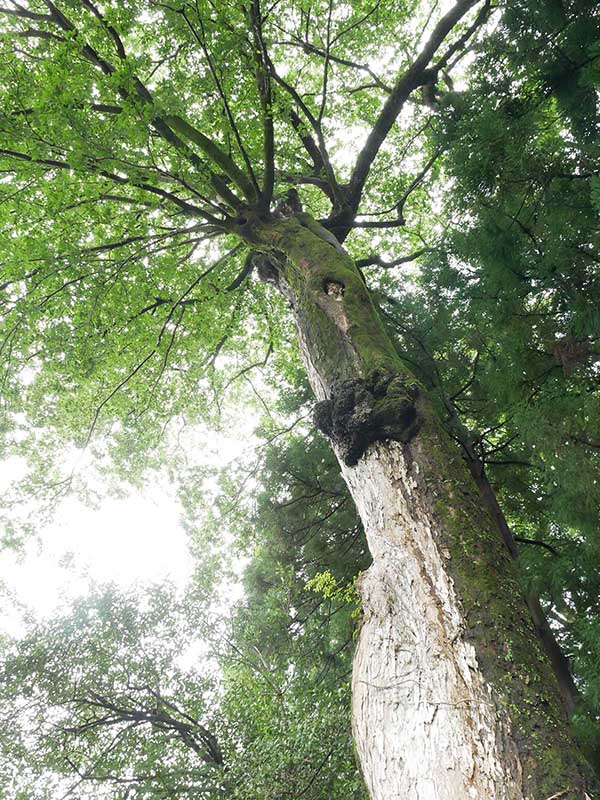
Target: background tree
144,695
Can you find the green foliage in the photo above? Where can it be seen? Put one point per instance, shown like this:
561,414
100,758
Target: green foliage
294,732
299,530
297,525
95,702
147,696
324,583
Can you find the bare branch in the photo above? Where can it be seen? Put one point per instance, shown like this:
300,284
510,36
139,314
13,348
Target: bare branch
384,223
326,63
461,42
243,274
343,62
323,156
119,386
263,81
376,260
538,542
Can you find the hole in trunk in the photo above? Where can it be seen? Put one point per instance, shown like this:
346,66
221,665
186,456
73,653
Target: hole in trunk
334,289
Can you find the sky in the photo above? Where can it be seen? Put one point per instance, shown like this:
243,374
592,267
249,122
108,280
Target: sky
137,539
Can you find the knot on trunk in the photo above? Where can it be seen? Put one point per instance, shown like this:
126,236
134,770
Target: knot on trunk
366,410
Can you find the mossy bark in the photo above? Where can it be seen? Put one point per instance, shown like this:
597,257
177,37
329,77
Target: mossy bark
484,718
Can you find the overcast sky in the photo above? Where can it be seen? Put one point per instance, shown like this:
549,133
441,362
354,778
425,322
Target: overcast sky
137,539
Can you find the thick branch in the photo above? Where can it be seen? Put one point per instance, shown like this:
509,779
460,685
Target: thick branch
263,82
313,151
376,260
138,92
411,79
214,152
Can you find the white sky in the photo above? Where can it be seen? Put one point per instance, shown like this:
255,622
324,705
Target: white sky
127,540
135,539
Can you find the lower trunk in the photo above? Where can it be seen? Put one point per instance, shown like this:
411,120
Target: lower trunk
427,722
453,697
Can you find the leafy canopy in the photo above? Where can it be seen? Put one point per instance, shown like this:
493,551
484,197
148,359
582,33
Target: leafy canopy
138,143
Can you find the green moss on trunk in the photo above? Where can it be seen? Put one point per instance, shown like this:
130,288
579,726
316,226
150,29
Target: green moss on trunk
499,624
329,294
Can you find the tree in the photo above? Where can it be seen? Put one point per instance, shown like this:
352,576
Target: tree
136,137
95,704
146,695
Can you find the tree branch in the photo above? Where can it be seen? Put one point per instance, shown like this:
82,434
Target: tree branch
411,79
320,150
538,542
143,95
375,260
263,82
201,39
214,152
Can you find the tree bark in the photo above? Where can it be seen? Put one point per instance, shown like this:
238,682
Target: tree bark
453,697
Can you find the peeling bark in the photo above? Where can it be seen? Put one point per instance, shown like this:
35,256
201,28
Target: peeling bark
427,724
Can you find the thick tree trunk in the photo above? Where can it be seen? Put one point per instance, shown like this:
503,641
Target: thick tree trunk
426,721
453,698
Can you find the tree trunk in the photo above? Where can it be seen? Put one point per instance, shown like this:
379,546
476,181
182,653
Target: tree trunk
453,698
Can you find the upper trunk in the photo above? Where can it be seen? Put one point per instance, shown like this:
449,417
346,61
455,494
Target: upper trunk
453,697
